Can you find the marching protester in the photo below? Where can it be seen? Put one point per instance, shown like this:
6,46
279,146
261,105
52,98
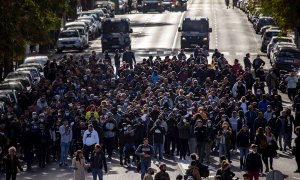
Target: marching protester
160,107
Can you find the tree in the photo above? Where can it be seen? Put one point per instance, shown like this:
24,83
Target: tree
26,21
285,12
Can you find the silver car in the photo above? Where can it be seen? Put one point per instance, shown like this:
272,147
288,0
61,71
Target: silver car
69,40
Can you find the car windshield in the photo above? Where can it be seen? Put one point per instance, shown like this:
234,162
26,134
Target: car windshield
68,34
281,40
271,34
290,54
267,21
115,27
15,86
14,75
32,71
81,32
196,26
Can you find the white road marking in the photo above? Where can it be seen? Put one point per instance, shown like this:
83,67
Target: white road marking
176,34
179,24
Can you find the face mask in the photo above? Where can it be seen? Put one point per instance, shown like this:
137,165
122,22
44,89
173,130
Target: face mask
274,116
184,120
211,116
208,124
269,109
67,113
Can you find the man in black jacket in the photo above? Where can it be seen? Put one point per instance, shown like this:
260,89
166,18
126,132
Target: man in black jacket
128,57
158,138
98,161
200,133
254,163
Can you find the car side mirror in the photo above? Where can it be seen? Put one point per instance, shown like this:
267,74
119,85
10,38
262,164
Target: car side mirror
130,31
210,29
179,29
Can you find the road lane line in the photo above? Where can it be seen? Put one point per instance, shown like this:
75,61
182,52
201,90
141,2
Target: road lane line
179,24
176,34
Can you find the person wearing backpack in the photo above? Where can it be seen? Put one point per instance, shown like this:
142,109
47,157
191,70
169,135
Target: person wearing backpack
192,173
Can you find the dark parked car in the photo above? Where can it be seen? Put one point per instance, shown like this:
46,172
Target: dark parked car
287,58
263,21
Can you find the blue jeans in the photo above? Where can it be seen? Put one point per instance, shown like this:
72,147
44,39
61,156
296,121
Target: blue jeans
222,150
97,172
243,154
64,151
201,149
145,164
158,148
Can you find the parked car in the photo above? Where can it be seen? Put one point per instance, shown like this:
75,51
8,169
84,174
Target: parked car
97,14
168,5
276,39
91,24
268,27
267,37
122,7
2,107
36,65
8,96
23,80
279,45
287,58
69,40
12,86
36,59
254,15
76,24
263,21
108,6
34,71
105,11
84,35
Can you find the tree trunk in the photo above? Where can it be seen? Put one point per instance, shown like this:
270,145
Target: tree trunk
297,39
8,65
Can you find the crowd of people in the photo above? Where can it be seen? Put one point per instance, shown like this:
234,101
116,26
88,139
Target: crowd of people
160,107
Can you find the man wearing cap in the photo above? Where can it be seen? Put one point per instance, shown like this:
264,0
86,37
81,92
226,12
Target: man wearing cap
254,163
90,138
65,139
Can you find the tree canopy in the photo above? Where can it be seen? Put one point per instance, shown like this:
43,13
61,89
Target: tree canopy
285,12
27,21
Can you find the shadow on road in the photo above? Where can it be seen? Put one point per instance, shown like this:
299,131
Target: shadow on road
149,24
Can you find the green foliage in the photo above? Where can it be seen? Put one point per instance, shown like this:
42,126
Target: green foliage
27,21
286,12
